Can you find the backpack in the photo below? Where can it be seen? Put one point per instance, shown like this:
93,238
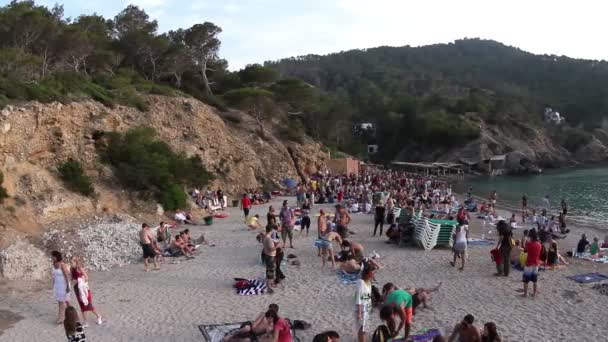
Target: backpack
381,334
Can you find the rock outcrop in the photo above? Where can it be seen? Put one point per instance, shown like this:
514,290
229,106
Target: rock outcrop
35,138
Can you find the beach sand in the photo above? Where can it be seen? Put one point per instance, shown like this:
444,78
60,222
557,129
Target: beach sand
168,305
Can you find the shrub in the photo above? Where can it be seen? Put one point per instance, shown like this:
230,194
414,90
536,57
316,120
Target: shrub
144,163
573,138
75,179
173,197
3,192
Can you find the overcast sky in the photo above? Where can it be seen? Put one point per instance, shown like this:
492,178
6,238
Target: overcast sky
260,30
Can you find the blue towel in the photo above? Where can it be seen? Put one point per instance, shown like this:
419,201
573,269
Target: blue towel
346,278
480,242
588,278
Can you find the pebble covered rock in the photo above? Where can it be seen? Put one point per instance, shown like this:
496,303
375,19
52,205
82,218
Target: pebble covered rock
102,243
24,261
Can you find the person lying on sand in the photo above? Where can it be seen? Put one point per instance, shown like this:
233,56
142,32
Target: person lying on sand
465,331
183,217
350,265
253,330
421,295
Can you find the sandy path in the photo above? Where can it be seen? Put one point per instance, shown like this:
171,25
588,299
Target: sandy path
168,305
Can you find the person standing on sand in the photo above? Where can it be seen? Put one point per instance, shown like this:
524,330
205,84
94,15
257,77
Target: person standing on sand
146,238
61,284
342,220
363,304
379,219
82,291
493,198
533,248
245,205
305,224
287,220
465,331
524,208
269,253
401,301
460,245
321,227
504,246
564,206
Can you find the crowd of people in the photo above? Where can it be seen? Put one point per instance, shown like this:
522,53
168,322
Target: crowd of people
381,194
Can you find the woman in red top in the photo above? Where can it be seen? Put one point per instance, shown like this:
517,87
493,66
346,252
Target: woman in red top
85,299
281,332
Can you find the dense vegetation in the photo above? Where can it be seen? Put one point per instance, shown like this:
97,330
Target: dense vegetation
144,163
421,95
46,57
75,179
419,98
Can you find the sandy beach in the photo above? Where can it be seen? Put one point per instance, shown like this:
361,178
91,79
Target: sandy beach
168,305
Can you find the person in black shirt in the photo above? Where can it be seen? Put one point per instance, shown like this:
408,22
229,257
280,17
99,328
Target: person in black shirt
379,219
582,244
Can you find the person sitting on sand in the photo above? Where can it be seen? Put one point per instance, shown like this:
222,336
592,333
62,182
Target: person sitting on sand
393,234
553,256
327,336
145,238
489,333
354,248
515,253
582,245
253,330
183,217
594,248
465,331
178,248
253,222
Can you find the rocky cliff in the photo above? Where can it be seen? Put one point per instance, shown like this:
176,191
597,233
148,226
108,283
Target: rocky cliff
35,138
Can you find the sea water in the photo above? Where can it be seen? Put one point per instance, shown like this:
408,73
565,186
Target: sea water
585,191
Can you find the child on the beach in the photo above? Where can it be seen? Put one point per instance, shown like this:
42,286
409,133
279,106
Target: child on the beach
594,249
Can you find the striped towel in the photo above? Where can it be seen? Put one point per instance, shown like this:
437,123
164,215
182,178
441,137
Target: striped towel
255,287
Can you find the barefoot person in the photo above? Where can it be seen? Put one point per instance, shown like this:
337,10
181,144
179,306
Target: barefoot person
460,245
287,220
146,238
61,284
465,331
533,248
253,222
82,291
327,247
245,205
401,301
363,304
269,253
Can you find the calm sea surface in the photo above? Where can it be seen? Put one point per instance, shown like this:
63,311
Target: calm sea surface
585,190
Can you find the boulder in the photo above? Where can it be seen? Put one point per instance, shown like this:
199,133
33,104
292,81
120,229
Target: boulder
23,261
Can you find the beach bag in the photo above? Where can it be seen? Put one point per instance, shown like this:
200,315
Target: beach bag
299,325
381,334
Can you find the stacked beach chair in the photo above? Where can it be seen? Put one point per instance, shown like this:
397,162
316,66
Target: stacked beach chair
432,232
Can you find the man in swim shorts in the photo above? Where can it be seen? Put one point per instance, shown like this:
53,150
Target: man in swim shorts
253,330
146,238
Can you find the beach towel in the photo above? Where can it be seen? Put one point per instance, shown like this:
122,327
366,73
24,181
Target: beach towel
480,242
217,332
250,287
221,215
347,278
588,278
423,336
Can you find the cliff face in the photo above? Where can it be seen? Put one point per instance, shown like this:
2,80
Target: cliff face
35,138
527,148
